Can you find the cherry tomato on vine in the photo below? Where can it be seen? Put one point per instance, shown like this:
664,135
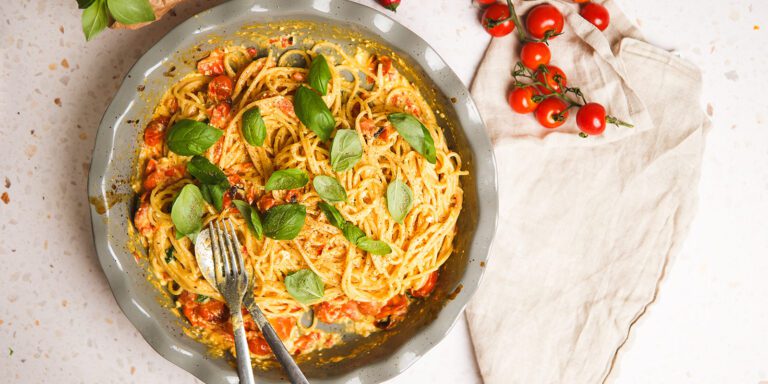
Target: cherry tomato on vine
542,19
496,20
554,77
591,119
597,15
521,100
552,112
535,54
390,4
581,1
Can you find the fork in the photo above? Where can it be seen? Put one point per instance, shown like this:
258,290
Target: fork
232,283
243,293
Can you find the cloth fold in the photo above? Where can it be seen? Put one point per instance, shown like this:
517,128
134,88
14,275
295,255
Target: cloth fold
587,226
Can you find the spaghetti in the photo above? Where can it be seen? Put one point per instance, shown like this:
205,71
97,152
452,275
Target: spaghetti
362,290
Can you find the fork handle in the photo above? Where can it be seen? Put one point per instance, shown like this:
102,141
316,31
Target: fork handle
244,368
281,353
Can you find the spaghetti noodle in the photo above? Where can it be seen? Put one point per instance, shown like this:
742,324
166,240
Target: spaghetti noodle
363,291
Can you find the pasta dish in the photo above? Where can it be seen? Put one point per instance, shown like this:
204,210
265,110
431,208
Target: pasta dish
334,171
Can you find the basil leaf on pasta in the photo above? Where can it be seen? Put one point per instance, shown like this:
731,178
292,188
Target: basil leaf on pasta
205,171
332,214
251,217
131,11
254,128
346,150
352,232
415,134
329,189
374,247
95,18
214,194
284,222
187,211
399,200
305,286
287,179
190,137
313,113
319,74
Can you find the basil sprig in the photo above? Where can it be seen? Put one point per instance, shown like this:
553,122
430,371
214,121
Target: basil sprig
97,14
254,129
251,217
329,189
399,200
351,232
305,286
284,222
285,179
190,137
213,181
187,211
95,18
313,113
131,11
346,150
415,134
319,74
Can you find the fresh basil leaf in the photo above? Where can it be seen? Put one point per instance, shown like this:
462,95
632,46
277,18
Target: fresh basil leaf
374,247
346,150
319,74
201,298
95,18
415,134
169,255
251,217
313,113
305,286
332,214
190,137
214,194
284,222
254,128
399,200
131,11
206,172
285,179
352,232
187,211
329,189
83,4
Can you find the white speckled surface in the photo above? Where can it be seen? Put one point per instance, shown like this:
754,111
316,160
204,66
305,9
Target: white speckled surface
58,316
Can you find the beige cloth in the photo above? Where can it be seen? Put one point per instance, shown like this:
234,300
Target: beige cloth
586,226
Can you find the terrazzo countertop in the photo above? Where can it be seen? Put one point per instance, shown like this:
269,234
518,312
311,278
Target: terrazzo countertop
60,323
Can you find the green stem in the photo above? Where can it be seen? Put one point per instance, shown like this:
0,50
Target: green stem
515,19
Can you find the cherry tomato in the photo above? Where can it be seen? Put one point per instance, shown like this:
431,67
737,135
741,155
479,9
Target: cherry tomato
535,54
212,65
220,115
542,19
597,15
591,119
390,4
492,20
554,77
521,100
484,3
581,1
220,88
258,346
552,112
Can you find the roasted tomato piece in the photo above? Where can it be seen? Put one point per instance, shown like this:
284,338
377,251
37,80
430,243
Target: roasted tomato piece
220,115
220,88
327,312
155,132
201,314
141,219
160,173
266,202
258,345
213,65
428,286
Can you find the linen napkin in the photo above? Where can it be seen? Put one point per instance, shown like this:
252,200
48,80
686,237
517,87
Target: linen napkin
587,226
